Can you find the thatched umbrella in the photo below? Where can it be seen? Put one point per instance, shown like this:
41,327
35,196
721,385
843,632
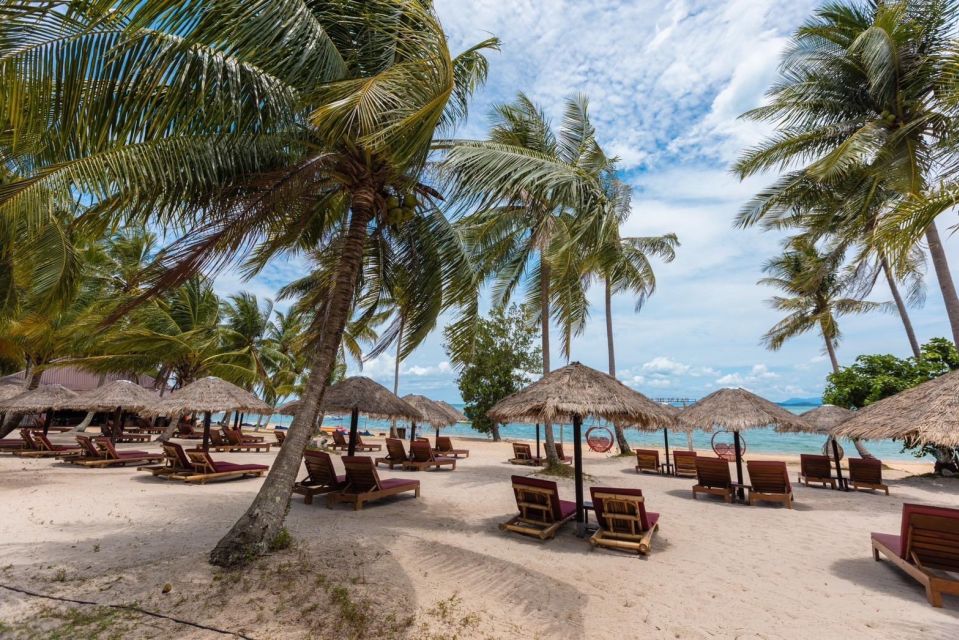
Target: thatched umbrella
210,395
288,409
9,390
358,395
575,392
455,413
925,414
735,410
432,412
673,411
822,420
117,396
46,399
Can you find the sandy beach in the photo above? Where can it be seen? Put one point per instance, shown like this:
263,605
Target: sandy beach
438,566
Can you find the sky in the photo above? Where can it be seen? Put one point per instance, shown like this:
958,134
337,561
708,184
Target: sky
666,83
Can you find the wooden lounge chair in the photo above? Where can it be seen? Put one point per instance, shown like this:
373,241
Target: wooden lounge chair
866,473
421,457
90,451
395,454
34,448
339,441
541,512
206,468
816,469
244,436
133,436
58,450
320,476
185,431
523,454
362,446
8,445
237,443
561,454
769,482
363,484
647,461
624,523
112,457
712,477
175,463
444,447
280,437
926,548
685,463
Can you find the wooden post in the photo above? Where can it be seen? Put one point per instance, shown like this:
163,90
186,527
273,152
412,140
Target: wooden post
437,438
835,451
206,431
666,441
47,420
537,440
578,473
412,432
354,426
116,424
739,465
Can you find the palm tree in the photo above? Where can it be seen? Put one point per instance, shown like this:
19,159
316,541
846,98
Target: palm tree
311,118
528,186
864,88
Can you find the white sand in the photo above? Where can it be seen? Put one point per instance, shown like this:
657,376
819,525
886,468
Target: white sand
715,571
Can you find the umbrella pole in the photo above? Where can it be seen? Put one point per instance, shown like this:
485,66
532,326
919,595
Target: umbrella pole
123,423
47,420
666,442
206,431
236,421
437,437
739,465
116,424
537,441
578,473
835,452
412,432
354,426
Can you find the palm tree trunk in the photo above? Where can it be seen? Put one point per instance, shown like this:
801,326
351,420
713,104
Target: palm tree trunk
80,428
946,285
494,431
901,306
263,521
863,451
621,441
552,460
396,372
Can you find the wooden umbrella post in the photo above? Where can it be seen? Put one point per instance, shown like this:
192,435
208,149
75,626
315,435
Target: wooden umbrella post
437,437
739,465
578,472
835,451
666,442
47,420
206,431
354,426
412,431
537,440
116,424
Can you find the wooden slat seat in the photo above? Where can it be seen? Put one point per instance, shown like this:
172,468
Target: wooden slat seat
363,484
541,512
624,523
395,454
866,473
421,457
206,468
320,476
523,454
769,482
684,463
816,469
444,447
713,478
647,461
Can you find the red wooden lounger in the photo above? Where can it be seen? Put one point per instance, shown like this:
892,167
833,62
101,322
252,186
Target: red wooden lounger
866,473
647,461
90,451
362,446
561,455
444,447
59,450
31,448
926,548
280,437
320,476
363,484
395,454
243,436
339,441
769,482
541,512
421,457
623,520
175,463
112,457
206,468
712,477
816,469
237,443
12,444
185,431
523,454
685,463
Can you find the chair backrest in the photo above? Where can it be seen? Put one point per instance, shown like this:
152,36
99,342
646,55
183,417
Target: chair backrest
27,436
685,459
89,449
361,474
43,442
713,472
217,438
930,535
420,451
106,446
233,436
647,458
538,500
620,510
815,466
338,439
175,456
768,476
185,428
867,470
522,451
202,461
395,450
444,443
319,467
280,436
559,451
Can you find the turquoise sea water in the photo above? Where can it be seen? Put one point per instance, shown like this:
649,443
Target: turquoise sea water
757,440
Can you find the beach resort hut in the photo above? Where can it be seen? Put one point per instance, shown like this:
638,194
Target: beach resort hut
116,397
571,394
210,395
823,420
432,412
360,394
44,399
736,410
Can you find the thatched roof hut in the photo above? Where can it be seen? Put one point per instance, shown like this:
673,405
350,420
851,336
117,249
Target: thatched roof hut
367,397
211,395
926,414
578,390
820,420
43,398
736,410
119,393
433,413
10,390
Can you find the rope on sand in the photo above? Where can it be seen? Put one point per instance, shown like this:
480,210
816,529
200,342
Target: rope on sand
128,607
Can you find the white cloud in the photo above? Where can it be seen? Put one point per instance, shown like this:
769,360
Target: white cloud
664,365
731,380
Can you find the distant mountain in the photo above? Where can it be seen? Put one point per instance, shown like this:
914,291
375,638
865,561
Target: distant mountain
793,402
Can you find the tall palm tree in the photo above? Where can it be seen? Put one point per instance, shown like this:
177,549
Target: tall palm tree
311,117
528,186
863,88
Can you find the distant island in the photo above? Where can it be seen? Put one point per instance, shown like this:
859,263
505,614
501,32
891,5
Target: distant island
793,402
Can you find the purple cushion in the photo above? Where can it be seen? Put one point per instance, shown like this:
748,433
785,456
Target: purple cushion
567,508
226,467
134,454
890,540
651,519
390,483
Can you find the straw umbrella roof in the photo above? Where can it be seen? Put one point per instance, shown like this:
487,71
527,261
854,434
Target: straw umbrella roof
367,397
432,412
47,396
10,390
214,395
926,414
820,420
455,413
737,409
119,393
288,409
580,390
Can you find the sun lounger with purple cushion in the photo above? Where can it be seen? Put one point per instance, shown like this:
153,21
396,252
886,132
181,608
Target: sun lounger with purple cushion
866,473
363,484
320,476
541,512
769,482
624,523
816,469
206,468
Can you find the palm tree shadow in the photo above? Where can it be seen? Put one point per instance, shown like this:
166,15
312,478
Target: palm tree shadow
884,577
